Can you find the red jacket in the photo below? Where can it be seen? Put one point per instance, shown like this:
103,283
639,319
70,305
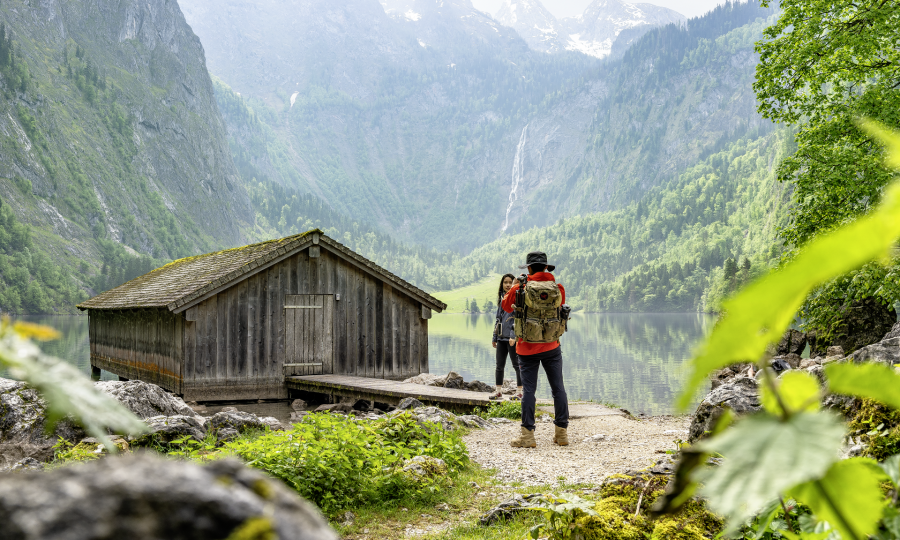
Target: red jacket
510,299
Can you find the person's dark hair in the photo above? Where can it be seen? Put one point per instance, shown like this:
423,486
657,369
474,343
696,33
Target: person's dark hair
500,293
535,268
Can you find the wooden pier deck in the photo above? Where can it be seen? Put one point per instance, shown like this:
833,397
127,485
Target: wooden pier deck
387,391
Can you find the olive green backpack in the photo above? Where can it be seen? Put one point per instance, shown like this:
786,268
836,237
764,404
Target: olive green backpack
537,313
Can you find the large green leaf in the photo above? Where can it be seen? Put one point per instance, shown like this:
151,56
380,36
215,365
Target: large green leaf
760,313
891,467
764,457
797,390
874,381
66,390
847,497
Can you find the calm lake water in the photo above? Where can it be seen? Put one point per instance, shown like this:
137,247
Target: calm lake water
634,360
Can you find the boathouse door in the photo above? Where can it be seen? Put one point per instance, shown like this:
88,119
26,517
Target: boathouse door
308,334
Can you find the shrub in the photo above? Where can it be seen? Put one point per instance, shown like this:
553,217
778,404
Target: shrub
501,409
336,461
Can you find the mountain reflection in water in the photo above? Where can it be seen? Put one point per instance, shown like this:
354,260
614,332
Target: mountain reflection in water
634,360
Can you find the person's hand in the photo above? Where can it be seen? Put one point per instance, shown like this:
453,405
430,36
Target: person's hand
494,344
512,341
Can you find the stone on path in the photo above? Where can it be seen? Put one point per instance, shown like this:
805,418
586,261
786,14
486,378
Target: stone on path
153,498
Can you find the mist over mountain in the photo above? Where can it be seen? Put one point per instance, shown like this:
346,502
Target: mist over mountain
592,33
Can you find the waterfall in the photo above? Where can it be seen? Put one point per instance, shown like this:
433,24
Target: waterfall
517,170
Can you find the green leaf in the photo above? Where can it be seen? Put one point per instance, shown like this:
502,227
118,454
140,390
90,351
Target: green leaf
805,536
847,497
891,467
760,313
874,381
798,390
762,460
890,140
66,390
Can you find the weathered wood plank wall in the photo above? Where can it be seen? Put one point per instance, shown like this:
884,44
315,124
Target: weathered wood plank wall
138,344
237,343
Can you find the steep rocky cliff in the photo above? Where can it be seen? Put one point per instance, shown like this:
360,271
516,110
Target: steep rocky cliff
114,139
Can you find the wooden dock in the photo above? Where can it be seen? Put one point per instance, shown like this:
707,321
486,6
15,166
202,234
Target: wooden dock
386,391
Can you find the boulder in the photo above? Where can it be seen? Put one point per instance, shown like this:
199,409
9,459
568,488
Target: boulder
885,352
226,434
22,423
445,419
145,400
422,468
27,464
426,379
234,419
454,381
740,395
808,363
153,498
363,405
272,423
510,507
895,332
793,342
409,403
165,429
334,408
474,421
478,386
834,350
862,322
299,405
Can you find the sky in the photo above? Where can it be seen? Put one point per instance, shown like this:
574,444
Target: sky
573,8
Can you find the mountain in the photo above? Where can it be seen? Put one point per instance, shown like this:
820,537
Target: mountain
537,26
592,33
453,144
111,144
596,29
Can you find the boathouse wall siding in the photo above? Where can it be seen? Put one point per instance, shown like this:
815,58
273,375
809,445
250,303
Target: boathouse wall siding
141,344
234,341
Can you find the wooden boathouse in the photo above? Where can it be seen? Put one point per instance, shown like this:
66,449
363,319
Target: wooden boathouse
236,324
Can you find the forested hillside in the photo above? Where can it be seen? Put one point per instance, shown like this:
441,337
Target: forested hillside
111,146
431,142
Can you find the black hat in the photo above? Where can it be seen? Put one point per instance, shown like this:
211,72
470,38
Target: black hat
537,257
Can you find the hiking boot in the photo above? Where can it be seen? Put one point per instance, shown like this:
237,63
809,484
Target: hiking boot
561,437
525,440
496,397
517,397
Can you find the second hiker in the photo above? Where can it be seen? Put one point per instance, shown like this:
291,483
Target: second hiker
537,303
504,341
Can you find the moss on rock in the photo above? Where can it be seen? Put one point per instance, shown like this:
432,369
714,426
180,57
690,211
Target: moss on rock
878,427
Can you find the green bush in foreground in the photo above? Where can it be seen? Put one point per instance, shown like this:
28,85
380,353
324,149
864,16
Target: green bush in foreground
337,462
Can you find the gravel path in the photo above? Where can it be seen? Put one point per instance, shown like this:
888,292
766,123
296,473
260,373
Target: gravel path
627,444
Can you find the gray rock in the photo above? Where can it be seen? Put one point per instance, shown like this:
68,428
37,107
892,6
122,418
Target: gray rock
663,466
27,464
409,403
808,363
445,419
363,405
272,423
334,408
834,350
22,423
474,421
152,498
426,379
793,342
478,386
510,507
509,387
145,400
885,352
817,371
234,419
454,381
895,332
226,434
165,429
299,405
861,323
740,395
298,416
793,360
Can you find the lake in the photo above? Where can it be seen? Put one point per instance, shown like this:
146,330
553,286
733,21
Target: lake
633,360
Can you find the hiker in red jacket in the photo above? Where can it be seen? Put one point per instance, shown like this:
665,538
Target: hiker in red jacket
543,299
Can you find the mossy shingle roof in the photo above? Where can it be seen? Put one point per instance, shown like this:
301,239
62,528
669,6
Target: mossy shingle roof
182,281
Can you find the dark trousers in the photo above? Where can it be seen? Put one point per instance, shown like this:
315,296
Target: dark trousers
504,348
552,363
